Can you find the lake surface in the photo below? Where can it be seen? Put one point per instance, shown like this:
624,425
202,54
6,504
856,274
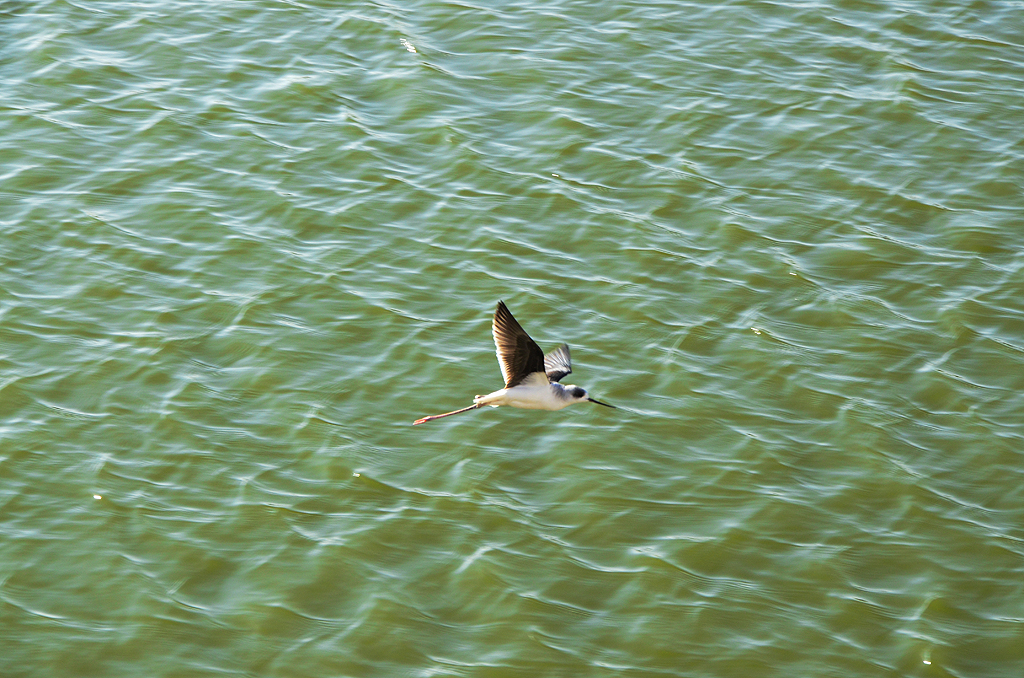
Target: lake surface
245,244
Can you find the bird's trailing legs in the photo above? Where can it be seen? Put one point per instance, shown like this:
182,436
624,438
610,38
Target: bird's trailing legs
447,414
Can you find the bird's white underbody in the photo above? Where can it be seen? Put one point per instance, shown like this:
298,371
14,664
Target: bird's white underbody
534,393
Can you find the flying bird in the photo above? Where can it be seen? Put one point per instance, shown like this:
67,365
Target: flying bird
531,378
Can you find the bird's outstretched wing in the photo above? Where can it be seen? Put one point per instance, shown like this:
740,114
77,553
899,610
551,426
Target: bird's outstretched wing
518,354
557,364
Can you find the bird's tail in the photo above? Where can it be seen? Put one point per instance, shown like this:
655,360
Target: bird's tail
489,399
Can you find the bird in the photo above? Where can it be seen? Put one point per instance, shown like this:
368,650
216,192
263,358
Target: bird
531,378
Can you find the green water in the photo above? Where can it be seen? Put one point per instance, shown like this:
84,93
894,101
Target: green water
245,244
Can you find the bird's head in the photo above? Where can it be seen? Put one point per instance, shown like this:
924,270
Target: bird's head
580,395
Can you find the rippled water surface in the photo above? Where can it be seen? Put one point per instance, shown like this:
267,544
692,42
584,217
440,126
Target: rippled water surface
245,244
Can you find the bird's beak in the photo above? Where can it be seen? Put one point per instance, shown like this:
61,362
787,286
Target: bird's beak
598,402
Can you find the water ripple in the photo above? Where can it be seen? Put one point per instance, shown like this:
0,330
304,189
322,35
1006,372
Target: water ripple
246,244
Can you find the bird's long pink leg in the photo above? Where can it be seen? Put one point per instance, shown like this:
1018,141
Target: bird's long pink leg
446,414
